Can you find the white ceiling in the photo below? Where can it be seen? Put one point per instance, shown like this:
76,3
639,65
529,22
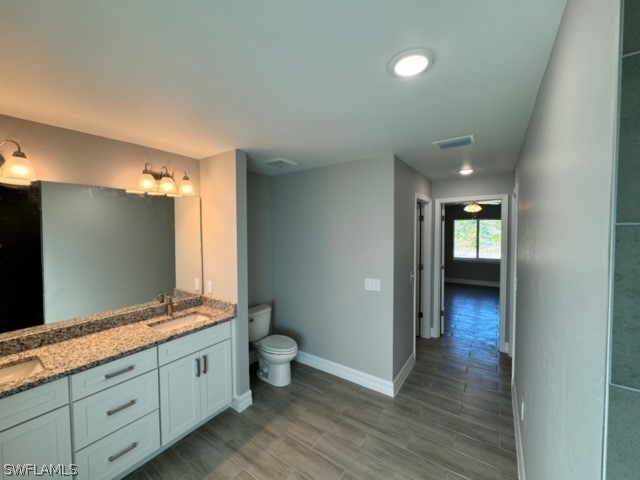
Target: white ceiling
305,80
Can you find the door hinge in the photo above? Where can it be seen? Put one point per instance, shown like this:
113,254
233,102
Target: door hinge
442,313
420,315
421,267
421,218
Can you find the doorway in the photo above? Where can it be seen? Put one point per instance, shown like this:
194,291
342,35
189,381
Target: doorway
422,261
478,255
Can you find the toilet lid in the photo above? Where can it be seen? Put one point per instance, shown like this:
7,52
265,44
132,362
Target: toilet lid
278,344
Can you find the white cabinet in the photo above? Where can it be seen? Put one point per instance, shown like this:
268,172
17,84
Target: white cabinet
115,415
110,457
101,414
112,373
36,430
196,386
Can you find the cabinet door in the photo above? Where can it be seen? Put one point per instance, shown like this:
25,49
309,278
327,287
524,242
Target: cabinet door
179,397
45,440
216,381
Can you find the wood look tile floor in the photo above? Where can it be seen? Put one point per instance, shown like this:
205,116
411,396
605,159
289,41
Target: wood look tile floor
452,419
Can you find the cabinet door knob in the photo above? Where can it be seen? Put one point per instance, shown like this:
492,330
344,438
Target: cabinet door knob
205,360
198,367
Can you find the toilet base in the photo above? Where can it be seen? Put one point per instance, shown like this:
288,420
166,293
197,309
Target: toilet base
278,375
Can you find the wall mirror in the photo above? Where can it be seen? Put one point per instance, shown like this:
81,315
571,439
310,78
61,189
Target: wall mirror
69,251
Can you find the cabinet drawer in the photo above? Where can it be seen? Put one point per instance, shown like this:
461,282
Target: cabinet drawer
33,402
115,454
181,347
112,373
102,413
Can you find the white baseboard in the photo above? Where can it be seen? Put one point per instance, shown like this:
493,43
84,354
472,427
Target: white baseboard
433,332
403,374
356,376
518,432
242,402
477,283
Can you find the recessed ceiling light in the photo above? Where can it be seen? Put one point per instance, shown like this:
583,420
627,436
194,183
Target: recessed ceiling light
411,62
465,171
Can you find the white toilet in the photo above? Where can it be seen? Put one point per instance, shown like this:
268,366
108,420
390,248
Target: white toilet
275,352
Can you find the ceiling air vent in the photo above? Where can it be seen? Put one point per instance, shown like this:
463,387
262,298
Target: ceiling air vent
455,142
279,162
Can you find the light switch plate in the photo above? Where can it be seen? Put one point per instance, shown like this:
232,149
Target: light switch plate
372,284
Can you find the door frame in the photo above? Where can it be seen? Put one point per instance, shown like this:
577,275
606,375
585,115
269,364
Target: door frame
427,254
505,292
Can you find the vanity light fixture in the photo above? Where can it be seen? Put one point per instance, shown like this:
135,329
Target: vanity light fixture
186,188
167,185
410,63
16,170
163,183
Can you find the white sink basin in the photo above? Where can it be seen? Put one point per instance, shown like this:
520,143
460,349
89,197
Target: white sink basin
164,325
18,370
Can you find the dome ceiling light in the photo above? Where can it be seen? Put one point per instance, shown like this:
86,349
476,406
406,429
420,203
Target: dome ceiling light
411,62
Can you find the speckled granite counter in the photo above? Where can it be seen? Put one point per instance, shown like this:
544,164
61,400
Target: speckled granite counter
83,352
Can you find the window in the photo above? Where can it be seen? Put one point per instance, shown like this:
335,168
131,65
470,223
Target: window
477,239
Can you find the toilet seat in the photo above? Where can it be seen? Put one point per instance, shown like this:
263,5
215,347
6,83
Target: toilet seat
278,345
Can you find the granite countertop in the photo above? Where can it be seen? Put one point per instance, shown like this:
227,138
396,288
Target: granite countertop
84,352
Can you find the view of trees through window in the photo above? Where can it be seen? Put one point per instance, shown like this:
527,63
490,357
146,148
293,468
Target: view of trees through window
477,239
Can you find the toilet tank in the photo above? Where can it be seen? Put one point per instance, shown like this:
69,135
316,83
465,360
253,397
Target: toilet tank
259,320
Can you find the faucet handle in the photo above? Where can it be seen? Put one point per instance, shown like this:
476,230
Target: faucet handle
160,297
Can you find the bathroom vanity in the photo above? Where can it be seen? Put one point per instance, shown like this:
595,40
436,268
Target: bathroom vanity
104,403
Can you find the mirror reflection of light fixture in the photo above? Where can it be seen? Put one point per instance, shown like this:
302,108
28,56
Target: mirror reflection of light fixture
472,207
16,170
163,183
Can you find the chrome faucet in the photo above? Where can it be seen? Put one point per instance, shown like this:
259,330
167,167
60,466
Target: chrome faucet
170,307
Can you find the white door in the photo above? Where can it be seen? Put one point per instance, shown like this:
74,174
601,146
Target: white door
180,396
442,257
45,440
216,378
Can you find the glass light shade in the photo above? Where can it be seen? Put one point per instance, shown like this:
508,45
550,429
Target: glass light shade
18,171
147,183
465,171
167,185
472,208
186,187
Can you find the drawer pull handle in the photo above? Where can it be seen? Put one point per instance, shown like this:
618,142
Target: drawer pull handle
198,367
113,411
119,372
113,458
206,362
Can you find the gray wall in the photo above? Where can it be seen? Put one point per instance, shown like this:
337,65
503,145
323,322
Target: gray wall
407,182
333,227
259,238
103,249
623,460
565,176
484,271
